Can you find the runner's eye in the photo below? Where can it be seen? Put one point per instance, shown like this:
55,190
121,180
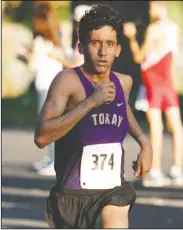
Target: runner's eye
110,44
95,43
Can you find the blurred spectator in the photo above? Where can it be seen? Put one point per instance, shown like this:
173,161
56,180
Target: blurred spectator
66,28
46,45
79,11
14,83
47,59
74,56
156,58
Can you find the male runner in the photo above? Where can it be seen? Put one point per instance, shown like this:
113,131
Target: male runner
87,114
155,57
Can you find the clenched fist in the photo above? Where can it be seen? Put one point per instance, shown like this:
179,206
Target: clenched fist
104,93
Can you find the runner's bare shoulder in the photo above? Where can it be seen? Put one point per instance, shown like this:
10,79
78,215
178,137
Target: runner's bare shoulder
125,80
65,80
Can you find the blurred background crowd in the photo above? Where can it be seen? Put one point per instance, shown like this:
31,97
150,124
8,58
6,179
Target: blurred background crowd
56,23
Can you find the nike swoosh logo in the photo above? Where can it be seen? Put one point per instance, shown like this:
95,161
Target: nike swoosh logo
119,104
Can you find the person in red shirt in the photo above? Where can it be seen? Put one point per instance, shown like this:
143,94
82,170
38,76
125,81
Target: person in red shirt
156,58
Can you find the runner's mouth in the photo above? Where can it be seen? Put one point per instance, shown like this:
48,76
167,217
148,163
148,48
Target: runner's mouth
102,62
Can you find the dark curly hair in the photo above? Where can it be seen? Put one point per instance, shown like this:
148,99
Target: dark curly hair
100,15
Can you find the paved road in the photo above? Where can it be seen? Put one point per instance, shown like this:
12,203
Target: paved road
24,192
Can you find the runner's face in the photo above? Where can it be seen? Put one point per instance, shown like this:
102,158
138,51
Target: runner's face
101,49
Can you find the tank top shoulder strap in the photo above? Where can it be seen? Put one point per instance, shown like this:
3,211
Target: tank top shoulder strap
86,84
119,88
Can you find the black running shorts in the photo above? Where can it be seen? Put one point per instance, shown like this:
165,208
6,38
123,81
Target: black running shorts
81,208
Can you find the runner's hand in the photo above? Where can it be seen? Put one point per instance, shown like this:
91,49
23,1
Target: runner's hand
144,160
104,93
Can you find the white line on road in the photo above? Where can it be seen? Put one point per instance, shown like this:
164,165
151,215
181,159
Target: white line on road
6,204
24,192
160,202
23,222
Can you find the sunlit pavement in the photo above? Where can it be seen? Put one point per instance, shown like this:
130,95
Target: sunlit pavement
24,192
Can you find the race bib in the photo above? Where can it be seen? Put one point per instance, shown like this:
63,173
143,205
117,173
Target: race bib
101,166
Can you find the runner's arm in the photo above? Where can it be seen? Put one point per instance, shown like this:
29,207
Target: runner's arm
134,128
144,159
53,123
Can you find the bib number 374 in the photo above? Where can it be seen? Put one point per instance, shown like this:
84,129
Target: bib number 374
103,161
101,166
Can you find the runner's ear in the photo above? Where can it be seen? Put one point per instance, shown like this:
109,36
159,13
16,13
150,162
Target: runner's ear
118,52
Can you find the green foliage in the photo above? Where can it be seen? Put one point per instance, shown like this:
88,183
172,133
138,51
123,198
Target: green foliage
175,12
19,12
22,11
63,12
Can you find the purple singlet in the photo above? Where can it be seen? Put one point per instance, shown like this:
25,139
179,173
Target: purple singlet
105,124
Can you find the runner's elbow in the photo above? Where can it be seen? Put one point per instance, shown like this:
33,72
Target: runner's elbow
40,141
